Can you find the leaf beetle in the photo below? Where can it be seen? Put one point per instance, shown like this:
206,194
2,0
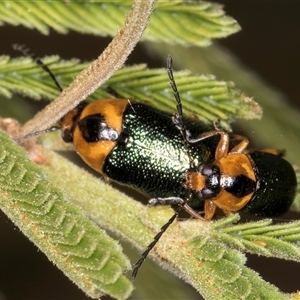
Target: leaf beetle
176,160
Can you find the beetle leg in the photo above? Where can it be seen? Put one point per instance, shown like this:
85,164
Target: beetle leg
106,179
227,212
175,201
209,209
223,145
193,213
280,153
240,147
205,135
165,201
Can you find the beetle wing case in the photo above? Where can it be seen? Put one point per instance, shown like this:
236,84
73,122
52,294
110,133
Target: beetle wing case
154,159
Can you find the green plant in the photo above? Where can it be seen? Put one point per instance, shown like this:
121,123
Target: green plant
206,254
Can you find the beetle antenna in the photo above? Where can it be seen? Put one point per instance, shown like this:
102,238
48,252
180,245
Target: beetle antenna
179,123
178,116
26,51
153,243
25,137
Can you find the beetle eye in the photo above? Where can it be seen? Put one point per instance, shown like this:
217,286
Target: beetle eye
212,186
67,136
206,170
207,193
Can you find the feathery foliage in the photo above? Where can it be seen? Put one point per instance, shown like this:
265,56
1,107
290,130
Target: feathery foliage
208,255
180,22
203,95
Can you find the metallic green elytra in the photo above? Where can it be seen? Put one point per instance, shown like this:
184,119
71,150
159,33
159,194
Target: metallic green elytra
152,157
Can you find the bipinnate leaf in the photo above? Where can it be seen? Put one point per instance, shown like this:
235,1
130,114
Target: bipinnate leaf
204,96
84,252
263,238
183,22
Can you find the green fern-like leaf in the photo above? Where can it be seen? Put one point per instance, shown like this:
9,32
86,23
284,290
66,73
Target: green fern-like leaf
264,238
23,75
207,254
84,252
184,22
203,95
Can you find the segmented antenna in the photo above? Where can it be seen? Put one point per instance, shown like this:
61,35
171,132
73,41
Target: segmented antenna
153,243
178,121
22,138
178,116
26,51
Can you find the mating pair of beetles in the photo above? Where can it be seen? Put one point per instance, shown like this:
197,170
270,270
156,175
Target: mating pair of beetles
178,161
